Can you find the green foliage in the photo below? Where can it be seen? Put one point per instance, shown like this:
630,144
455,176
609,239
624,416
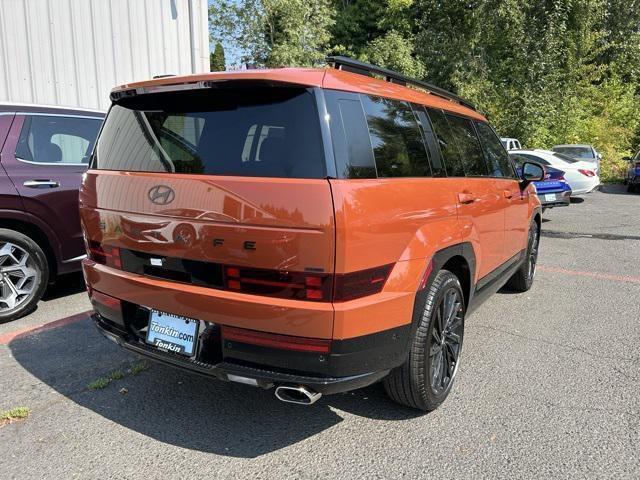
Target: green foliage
547,72
217,61
275,33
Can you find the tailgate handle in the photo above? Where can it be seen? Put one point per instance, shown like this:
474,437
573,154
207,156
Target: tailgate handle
41,184
466,198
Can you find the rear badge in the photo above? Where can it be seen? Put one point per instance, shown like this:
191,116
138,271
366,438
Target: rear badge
161,194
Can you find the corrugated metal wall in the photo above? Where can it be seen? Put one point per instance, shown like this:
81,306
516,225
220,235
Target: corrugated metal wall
72,52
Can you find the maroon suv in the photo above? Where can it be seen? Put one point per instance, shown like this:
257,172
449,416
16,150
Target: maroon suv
43,153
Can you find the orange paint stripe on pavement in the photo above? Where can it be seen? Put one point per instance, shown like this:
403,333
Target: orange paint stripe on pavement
600,276
8,337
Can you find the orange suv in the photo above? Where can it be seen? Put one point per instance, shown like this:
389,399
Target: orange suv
308,230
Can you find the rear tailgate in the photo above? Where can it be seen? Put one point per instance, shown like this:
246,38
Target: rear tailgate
188,192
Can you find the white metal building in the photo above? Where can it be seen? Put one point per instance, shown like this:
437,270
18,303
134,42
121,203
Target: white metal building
72,52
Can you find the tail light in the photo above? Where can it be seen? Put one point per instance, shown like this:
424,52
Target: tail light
273,283
588,173
360,284
105,254
307,286
273,340
317,287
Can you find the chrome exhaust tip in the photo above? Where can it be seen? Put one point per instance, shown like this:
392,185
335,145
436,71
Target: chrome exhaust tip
297,394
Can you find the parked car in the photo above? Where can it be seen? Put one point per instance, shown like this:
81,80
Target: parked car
578,174
633,174
584,153
44,152
553,191
511,143
352,225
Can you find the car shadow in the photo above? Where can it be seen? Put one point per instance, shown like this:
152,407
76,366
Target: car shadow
181,408
68,284
577,200
615,189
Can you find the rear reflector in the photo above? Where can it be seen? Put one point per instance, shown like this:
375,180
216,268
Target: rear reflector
587,173
105,300
272,340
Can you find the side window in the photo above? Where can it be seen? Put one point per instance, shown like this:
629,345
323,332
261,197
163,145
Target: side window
446,141
468,145
496,156
396,139
57,139
437,167
350,136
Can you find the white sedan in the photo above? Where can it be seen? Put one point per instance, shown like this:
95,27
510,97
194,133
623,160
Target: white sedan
580,175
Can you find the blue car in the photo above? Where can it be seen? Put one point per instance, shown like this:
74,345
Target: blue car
633,174
553,191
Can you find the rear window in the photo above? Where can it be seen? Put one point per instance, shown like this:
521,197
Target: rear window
237,131
584,153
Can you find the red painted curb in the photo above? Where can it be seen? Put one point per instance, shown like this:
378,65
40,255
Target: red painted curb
8,337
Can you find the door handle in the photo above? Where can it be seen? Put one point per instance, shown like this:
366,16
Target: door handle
507,193
41,184
466,198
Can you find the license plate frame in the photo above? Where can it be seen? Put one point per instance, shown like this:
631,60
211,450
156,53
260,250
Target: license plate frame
172,333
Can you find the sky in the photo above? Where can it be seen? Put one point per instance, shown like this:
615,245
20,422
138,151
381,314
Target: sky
232,54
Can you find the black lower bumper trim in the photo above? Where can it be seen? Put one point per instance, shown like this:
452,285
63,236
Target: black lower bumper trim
264,378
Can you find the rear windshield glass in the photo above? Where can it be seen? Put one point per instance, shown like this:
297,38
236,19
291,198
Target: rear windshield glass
256,132
576,152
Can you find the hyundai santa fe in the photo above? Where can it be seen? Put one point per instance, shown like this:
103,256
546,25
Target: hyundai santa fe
310,231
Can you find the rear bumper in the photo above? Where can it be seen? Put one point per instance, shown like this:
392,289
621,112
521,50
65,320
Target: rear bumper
228,368
562,199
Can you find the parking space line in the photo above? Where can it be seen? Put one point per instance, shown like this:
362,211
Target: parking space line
579,273
8,337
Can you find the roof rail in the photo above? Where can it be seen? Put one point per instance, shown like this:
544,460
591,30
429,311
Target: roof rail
355,66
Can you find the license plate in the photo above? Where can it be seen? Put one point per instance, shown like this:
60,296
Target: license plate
172,333
550,197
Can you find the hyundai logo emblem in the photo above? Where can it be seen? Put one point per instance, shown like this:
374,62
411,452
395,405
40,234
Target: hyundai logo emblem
161,195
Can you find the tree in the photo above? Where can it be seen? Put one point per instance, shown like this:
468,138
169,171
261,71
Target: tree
275,32
216,59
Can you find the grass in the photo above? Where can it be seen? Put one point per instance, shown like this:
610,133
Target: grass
103,382
14,414
138,367
99,384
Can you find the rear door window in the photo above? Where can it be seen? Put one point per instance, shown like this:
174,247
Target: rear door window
349,135
437,166
396,138
468,145
496,156
236,131
447,143
57,139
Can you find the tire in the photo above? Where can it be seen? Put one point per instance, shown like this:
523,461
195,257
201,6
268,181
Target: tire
24,273
414,383
522,280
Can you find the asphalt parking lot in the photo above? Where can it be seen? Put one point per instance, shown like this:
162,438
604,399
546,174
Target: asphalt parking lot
548,387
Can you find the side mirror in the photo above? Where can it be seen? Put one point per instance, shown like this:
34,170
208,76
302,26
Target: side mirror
532,172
